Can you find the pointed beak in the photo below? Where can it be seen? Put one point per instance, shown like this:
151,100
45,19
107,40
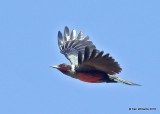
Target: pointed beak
54,67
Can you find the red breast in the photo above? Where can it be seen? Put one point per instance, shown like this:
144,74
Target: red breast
87,77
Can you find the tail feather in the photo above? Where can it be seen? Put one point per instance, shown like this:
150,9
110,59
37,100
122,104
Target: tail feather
120,80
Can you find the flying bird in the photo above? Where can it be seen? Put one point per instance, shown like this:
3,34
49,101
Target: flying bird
88,64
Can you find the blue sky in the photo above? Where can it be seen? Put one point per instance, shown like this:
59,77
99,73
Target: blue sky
127,29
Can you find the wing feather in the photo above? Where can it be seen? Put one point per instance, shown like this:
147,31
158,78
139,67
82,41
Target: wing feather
66,33
93,54
86,53
80,36
80,57
60,40
99,62
73,34
70,44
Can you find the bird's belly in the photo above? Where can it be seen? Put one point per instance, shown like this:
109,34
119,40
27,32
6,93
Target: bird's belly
92,78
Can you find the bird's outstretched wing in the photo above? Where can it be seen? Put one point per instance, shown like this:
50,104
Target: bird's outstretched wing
96,61
70,44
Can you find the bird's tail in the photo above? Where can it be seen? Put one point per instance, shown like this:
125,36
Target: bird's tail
120,80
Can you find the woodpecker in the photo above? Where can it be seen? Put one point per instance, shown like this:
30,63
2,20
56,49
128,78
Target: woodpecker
88,64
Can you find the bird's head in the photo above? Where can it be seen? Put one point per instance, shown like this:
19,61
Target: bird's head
64,68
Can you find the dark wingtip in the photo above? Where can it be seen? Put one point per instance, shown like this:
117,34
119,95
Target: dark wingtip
66,29
100,54
59,34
